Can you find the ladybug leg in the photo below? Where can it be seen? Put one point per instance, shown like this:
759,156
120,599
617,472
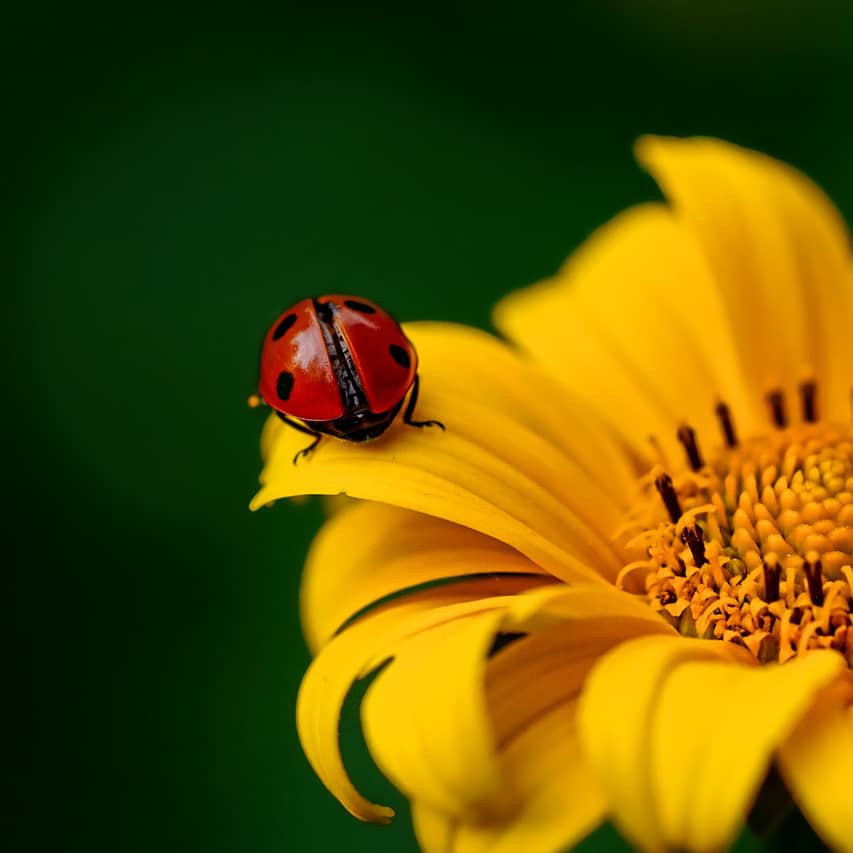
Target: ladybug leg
410,408
306,451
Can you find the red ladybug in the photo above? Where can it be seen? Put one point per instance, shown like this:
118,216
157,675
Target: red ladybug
342,366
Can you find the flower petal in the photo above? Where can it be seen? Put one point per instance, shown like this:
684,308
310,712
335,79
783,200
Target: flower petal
683,760
470,364
532,687
426,724
560,802
548,668
780,255
433,829
370,550
359,650
488,471
746,285
440,746
816,761
642,330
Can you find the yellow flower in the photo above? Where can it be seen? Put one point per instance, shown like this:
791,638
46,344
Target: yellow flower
652,496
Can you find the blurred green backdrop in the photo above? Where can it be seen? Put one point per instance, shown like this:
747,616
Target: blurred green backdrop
174,178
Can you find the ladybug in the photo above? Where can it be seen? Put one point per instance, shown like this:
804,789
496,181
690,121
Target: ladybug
340,366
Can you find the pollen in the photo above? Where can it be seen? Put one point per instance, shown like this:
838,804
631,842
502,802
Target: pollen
753,543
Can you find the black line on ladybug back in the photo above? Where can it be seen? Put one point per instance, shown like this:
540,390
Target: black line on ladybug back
284,384
359,306
325,311
283,327
353,398
400,355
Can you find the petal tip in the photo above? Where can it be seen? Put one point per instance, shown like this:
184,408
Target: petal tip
258,501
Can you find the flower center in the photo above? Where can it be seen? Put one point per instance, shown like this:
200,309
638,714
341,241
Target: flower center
755,544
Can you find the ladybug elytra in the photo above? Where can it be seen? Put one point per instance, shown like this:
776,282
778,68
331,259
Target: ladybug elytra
339,366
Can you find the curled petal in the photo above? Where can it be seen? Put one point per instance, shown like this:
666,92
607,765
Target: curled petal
426,724
436,717
363,647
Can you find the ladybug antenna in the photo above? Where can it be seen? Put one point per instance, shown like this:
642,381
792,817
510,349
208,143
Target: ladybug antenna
255,401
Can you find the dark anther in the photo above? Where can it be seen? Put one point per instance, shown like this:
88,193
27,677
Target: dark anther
663,484
725,417
692,538
772,575
808,392
815,581
687,436
776,401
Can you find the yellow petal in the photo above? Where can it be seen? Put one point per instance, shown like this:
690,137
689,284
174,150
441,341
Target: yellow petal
489,471
426,724
426,718
359,650
433,829
548,668
816,762
369,550
746,285
470,364
643,339
561,803
780,255
683,760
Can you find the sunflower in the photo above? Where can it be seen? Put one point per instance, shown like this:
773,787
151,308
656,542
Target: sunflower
619,585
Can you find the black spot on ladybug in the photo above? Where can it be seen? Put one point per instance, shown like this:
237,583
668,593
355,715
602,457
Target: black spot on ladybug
283,327
359,306
284,385
400,355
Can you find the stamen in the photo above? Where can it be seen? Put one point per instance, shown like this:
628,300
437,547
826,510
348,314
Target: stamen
772,575
663,483
692,538
814,578
687,436
776,401
725,417
770,564
808,391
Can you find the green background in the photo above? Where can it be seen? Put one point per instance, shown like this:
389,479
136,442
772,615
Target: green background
172,180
